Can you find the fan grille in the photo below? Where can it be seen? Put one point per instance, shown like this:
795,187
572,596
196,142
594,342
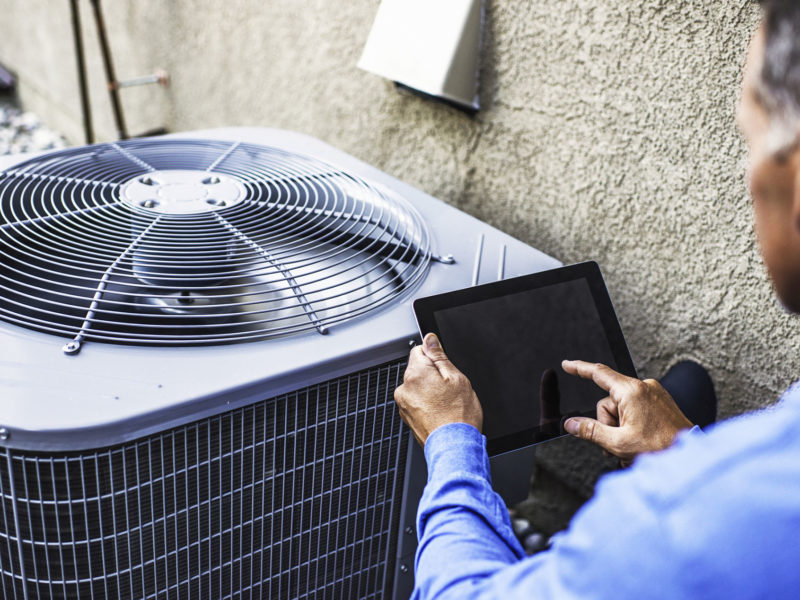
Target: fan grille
188,242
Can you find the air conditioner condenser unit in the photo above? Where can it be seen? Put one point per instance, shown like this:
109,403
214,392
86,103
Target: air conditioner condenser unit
200,336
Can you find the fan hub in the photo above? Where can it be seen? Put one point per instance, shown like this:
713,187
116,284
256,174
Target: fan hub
182,192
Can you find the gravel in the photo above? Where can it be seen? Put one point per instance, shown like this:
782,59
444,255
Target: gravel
23,132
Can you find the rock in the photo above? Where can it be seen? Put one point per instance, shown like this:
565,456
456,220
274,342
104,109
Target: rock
520,526
535,542
24,132
28,121
44,139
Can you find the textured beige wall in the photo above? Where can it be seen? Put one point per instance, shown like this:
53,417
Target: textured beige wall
607,134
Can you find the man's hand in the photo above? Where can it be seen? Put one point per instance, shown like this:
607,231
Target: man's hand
435,393
637,416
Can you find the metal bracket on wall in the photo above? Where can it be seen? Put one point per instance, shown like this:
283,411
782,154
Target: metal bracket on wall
161,77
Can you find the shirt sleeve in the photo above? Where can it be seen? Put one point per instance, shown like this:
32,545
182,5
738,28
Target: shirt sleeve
467,549
713,517
464,529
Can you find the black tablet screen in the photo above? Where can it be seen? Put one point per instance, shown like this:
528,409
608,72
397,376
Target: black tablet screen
511,348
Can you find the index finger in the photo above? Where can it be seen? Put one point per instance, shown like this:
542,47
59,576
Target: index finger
604,376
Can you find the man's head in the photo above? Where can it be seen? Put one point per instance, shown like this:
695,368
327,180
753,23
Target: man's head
769,117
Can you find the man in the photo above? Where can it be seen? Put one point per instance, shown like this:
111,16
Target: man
715,516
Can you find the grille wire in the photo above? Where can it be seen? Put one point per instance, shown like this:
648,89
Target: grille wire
231,242
296,496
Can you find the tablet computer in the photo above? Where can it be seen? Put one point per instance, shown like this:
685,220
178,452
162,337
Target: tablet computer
509,338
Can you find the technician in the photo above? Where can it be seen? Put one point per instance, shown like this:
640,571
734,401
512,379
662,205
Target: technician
715,516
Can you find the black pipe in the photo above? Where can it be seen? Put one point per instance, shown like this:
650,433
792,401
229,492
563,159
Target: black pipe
85,107
7,81
111,78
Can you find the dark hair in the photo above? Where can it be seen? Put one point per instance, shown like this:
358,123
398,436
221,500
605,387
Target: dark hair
780,72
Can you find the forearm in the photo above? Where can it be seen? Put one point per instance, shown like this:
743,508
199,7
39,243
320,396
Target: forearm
617,545
464,528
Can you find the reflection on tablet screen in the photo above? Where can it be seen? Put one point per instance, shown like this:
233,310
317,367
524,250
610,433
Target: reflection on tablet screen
511,348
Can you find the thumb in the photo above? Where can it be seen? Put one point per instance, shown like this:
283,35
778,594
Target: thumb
593,431
434,351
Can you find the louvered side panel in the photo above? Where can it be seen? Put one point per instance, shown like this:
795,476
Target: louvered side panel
293,497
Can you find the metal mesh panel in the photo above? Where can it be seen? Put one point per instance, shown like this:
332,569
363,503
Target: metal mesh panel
293,497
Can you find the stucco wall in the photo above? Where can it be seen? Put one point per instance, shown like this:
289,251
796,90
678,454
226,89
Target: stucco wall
607,133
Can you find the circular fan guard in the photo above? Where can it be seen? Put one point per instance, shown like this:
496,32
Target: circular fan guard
238,242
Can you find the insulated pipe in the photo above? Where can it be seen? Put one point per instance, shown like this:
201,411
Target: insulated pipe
85,108
111,78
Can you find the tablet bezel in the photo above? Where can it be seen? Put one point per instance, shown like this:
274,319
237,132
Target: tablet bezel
425,308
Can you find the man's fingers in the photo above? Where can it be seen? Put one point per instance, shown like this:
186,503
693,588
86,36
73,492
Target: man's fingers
605,377
416,362
608,412
418,358
434,352
593,431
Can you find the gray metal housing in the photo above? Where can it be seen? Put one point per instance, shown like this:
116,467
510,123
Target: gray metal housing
113,393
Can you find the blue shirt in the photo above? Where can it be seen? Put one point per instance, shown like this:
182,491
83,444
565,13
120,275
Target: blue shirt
715,516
